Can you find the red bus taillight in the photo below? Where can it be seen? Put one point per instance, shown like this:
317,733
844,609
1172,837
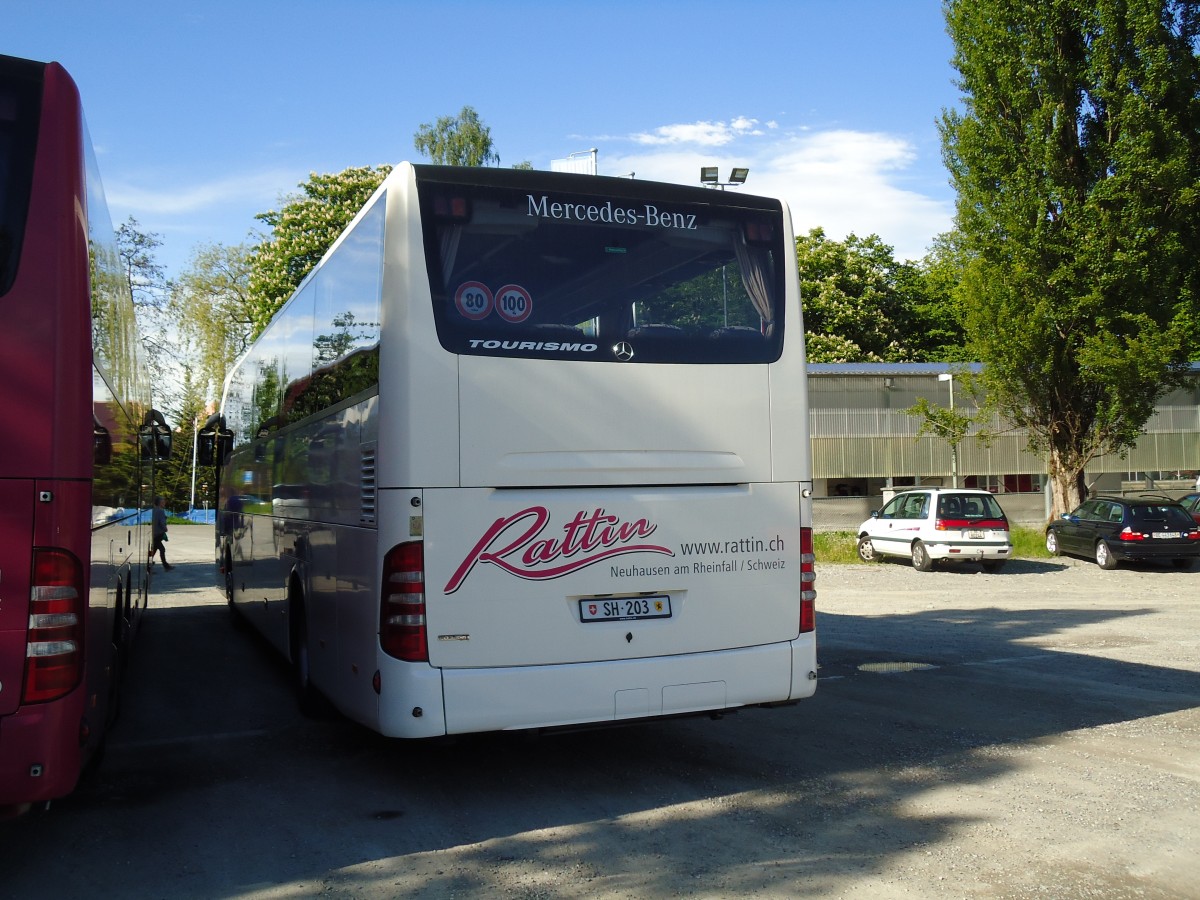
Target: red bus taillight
402,608
808,579
54,647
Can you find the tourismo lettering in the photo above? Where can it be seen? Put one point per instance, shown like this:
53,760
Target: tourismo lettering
515,544
650,215
549,346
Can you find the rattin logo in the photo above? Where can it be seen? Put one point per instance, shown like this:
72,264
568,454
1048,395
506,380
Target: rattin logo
516,545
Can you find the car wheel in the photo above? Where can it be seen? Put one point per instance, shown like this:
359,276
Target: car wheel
1104,557
1183,564
920,557
866,550
1052,543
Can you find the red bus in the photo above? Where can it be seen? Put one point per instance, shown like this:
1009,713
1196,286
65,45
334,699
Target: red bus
77,441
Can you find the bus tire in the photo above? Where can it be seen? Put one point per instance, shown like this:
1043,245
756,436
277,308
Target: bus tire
235,615
308,698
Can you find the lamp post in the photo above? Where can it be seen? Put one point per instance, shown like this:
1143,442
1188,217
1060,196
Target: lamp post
949,378
195,445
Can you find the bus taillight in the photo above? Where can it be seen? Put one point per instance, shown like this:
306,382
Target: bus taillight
808,579
402,631
54,647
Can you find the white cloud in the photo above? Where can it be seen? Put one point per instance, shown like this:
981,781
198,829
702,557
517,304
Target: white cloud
841,180
178,199
706,134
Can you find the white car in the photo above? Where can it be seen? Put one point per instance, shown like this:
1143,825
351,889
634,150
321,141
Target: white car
931,524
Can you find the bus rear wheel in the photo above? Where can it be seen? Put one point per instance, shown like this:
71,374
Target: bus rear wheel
308,698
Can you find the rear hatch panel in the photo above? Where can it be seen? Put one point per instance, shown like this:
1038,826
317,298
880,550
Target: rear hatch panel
540,577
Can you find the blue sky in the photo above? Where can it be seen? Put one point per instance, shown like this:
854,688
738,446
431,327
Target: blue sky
204,114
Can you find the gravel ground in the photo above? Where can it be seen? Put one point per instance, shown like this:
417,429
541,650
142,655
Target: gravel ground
1029,734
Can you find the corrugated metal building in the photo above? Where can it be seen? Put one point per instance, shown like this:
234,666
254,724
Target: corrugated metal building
864,442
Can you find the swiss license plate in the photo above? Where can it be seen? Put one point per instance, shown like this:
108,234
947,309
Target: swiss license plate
620,609
1167,535
975,535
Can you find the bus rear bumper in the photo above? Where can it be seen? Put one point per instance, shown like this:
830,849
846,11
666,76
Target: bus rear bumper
555,696
40,755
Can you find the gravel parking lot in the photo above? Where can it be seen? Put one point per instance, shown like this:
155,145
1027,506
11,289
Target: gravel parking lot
1028,734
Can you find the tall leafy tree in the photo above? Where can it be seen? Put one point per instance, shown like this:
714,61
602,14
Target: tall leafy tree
862,305
216,312
461,140
147,284
936,333
1076,158
302,229
173,477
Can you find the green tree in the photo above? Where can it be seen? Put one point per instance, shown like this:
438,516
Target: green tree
212,303
858,301
302,230
457,141
935,315
1076,158
173,476
147,284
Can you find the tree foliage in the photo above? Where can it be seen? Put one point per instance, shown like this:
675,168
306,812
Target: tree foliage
862,305
147,284
1075,158
461,140
304,227
215,310
173,476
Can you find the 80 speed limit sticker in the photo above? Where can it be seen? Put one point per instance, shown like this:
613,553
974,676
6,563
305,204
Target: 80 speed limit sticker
473,300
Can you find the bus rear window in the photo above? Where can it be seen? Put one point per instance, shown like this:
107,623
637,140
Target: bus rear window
20,97
518,271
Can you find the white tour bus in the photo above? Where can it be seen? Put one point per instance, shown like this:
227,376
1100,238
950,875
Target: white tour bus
529,450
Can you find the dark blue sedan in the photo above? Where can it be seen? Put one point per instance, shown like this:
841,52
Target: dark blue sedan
1127,529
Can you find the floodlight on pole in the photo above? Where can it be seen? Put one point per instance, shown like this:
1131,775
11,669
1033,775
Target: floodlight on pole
710,176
